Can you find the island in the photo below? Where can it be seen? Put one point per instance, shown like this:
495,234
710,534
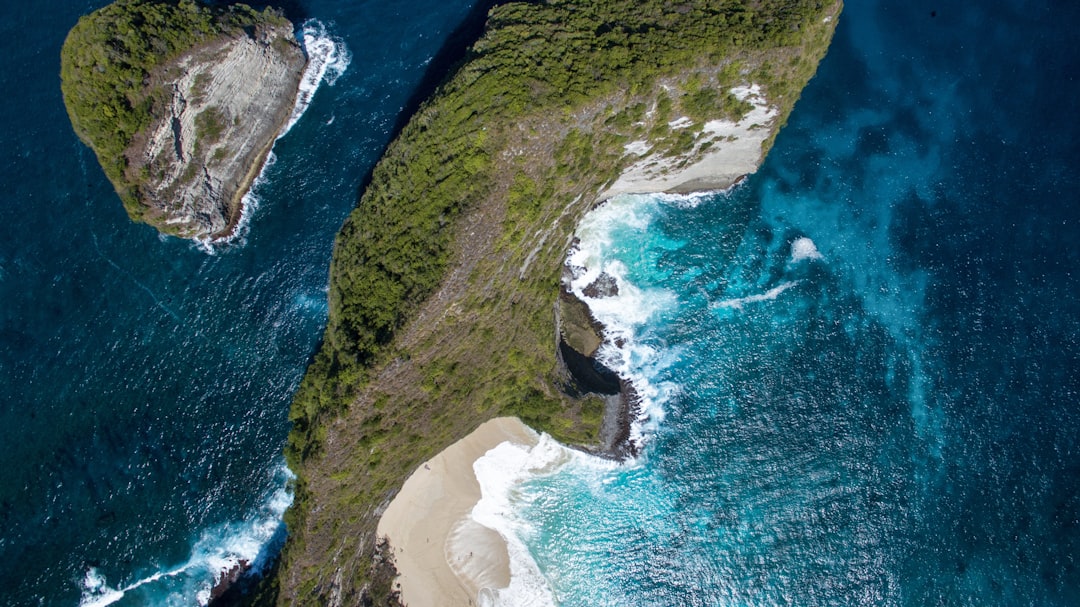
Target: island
181,102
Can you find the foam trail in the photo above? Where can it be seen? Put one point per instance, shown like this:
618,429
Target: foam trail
738,302
216,551
328,58
99,594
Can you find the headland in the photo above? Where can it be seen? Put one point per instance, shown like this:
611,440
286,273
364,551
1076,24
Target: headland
446,280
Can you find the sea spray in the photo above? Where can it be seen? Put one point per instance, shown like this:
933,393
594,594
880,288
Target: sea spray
249,545
328,58
604,234
500,473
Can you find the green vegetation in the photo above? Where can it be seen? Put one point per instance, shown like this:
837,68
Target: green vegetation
108,64
209,125
444,279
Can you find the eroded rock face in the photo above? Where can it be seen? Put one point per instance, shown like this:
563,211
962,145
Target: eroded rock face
220,109
605,285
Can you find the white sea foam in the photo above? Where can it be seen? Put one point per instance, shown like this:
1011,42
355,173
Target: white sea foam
690,200
499,472
624,315
328,58
216,551
804,248
96,592
248,205
738,302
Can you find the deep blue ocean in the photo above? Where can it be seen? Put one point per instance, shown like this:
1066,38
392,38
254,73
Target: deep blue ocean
145,382
862,366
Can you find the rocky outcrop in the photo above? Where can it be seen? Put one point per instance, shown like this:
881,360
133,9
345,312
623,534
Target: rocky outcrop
224,105
724,151
579,339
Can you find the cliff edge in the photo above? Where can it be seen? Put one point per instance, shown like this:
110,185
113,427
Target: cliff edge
181,103
445,280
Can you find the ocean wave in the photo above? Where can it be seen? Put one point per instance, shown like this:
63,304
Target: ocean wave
619,223
603,235
248,205
248,544
328,58
499,472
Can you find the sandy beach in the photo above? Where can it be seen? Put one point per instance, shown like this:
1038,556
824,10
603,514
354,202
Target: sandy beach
444,557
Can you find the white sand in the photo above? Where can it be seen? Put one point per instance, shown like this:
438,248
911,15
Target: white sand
734,151
444,557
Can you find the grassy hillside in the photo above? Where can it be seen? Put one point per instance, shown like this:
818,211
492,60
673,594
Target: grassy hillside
444,278
107,60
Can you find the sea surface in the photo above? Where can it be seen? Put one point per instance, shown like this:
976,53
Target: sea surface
145,381
860,369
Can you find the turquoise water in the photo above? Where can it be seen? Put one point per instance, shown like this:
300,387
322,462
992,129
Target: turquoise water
861,366
893,422
146,382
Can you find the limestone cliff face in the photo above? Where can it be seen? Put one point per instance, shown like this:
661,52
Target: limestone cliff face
219,109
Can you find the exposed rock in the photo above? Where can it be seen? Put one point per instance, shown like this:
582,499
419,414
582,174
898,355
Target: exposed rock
576,325
605,285
228,100
723,153
579,338
226,580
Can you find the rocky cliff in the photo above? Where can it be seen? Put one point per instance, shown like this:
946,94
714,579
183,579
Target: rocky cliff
181,103
227,103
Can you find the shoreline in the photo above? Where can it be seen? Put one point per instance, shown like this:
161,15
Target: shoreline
322,54
442,555
237,207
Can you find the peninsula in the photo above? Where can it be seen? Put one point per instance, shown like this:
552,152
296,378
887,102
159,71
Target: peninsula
181,102
448,306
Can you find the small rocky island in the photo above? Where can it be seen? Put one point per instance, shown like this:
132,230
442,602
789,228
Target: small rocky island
181,102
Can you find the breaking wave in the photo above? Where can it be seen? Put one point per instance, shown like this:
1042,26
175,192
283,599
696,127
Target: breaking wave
247,545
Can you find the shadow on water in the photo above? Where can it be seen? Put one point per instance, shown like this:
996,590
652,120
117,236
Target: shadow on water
444,64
